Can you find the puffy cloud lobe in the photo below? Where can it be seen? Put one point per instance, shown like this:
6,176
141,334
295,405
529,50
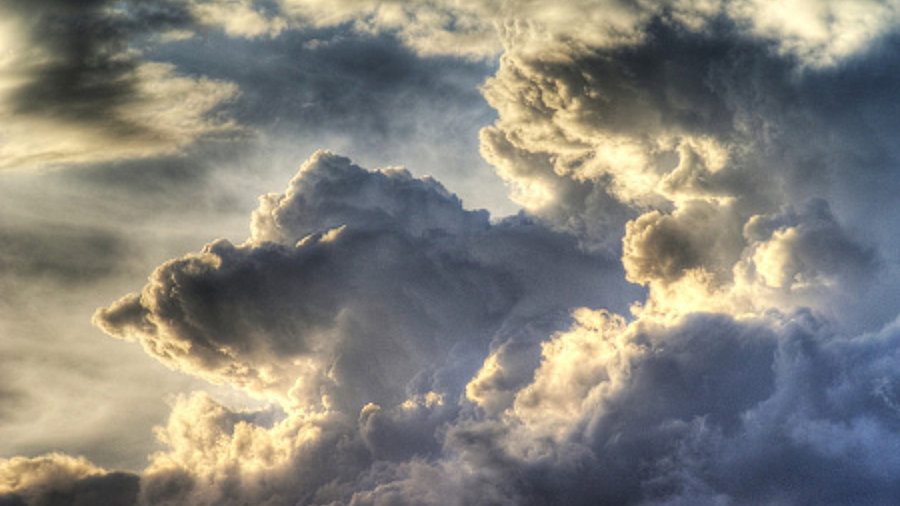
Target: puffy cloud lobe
710,411
55,480
821,33
684,139
329,192
705,257
292,312
242,18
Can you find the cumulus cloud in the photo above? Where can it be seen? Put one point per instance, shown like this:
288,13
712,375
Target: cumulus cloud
687,142
415,352
289,313
695,407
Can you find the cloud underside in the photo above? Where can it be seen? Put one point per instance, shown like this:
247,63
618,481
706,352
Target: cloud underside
696,305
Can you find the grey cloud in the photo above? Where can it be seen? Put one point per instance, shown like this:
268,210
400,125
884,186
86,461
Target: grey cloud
308,93
712,412
418,351
334,79
11,400
352,248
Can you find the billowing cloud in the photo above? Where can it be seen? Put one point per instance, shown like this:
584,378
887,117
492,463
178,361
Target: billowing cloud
412,351
694,407
689,142
289,313
55,479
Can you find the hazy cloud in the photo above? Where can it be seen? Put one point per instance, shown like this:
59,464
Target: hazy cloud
77,90
60,253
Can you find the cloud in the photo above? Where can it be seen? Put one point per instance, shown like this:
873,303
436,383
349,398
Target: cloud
687,140
55,480
289,313
242,18
818,33
76,90
710,411
415,352
691,407
78,74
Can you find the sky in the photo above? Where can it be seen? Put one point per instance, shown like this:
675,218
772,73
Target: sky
449,252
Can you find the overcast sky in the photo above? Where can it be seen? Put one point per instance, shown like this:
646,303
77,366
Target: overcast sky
449,252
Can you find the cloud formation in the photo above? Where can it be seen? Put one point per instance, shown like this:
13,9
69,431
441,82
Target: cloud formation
75,88
416,352
487,410
290,311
